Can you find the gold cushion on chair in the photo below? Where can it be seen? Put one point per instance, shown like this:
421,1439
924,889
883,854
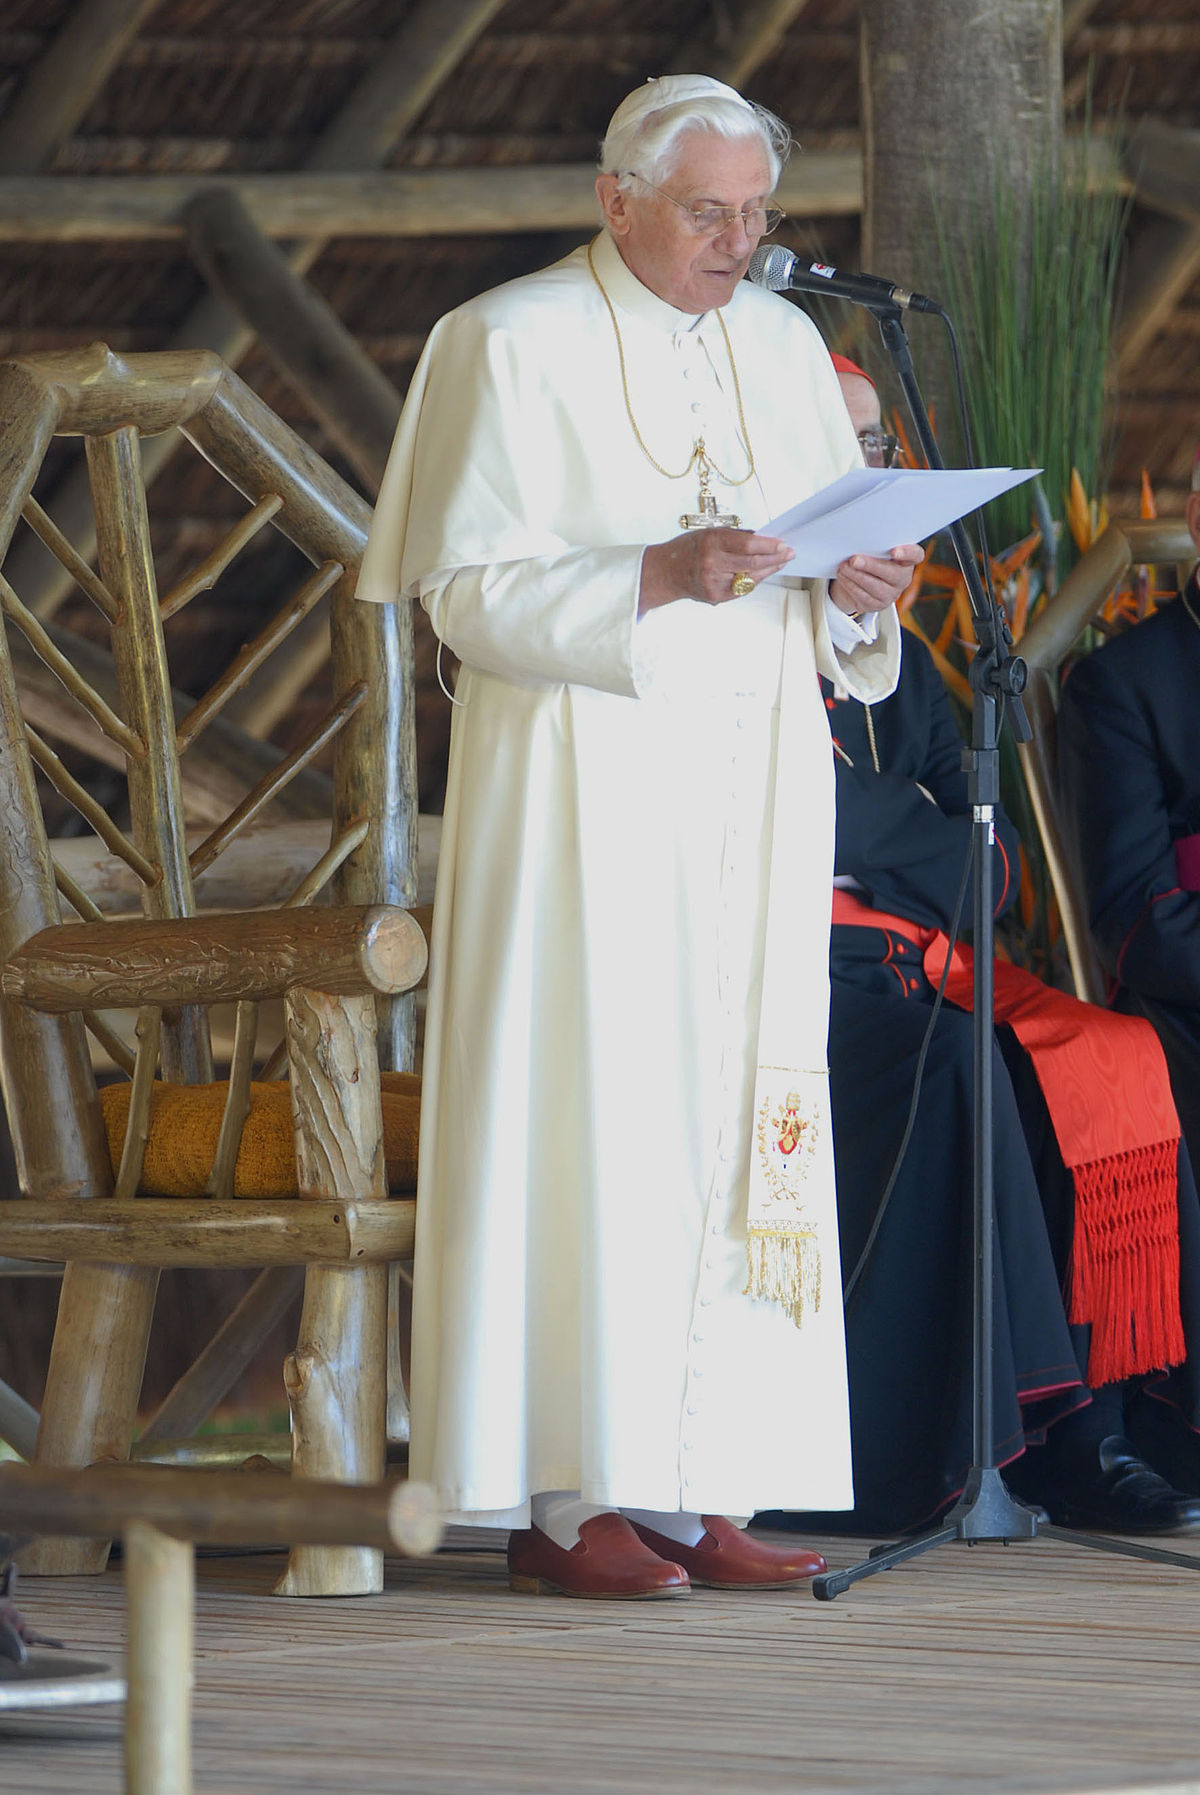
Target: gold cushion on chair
185,1121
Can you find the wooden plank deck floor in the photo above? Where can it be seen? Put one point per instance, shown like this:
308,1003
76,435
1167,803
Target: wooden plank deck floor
1041,1668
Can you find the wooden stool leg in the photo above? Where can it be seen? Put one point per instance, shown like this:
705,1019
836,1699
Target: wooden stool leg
336,1386
92,1388
160,1593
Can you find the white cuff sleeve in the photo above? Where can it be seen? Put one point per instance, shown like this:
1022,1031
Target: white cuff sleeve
847,632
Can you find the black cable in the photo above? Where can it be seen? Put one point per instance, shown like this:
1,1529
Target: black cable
955,922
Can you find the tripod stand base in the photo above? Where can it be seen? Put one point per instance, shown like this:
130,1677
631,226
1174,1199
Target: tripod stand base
987,1510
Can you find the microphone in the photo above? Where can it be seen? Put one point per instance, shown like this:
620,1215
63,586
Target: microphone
780,271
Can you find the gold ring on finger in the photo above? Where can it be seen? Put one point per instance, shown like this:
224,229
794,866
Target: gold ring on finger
741,583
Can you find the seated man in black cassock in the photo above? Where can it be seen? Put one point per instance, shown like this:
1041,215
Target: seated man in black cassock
1129,762
1081,1346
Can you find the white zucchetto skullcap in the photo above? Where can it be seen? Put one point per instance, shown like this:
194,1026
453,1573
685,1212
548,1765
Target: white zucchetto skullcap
662,91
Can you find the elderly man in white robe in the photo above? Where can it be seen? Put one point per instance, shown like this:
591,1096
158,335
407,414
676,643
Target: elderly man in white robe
627,1319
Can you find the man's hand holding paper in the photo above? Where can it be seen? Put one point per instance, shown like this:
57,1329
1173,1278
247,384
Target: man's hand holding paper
873,582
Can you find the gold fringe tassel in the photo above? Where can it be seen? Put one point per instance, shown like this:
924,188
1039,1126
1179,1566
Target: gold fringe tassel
785,1269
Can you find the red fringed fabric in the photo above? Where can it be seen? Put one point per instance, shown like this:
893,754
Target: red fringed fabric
1106,1087
1125,1261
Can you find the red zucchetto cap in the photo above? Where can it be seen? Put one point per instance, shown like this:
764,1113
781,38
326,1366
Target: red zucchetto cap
843,365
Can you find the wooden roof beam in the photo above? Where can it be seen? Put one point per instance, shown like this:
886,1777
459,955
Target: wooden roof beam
65,79
1163,265
1163,164
736,55
399,203
356,404
401,82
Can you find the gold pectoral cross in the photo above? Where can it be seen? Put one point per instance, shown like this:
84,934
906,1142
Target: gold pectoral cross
707,517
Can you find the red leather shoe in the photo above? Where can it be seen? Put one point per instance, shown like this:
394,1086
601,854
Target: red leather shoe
609,1562
727,1558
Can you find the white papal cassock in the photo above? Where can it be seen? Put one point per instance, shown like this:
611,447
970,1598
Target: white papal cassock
612,837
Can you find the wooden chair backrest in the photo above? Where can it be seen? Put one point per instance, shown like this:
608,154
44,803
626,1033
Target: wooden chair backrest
133,718
1044,647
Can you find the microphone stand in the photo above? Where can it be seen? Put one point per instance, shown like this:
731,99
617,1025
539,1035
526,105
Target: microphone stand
986,1509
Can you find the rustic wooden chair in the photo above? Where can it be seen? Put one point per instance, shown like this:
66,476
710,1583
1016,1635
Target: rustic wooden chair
1044,647
336,965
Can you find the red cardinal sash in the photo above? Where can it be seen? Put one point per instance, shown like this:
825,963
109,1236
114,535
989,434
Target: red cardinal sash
1106,1087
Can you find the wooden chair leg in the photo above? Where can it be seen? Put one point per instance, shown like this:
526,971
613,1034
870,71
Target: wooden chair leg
336,1384
92,1388
399,1336
160,1593
336,1379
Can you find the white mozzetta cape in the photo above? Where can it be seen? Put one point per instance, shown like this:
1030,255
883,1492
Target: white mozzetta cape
614,829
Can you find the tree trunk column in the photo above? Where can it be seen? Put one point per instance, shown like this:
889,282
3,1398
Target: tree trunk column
953,91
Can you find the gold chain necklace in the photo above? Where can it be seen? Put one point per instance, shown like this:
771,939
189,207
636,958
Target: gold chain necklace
699,457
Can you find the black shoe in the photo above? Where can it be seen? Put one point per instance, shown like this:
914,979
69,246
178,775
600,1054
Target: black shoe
1119,1493
1163,1438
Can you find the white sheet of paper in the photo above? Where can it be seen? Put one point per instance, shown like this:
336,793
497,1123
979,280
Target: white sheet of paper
871,510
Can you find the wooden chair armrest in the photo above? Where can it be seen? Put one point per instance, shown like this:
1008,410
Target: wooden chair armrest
344,950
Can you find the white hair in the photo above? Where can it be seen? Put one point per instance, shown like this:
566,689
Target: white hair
649,146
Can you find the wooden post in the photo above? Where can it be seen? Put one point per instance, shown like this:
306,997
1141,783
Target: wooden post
160,1591
158,1663
336,1379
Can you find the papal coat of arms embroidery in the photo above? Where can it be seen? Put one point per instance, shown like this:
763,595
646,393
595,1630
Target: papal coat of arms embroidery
787,1141
781,1239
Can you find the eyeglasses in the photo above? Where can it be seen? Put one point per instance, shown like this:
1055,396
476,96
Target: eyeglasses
879,447
710,221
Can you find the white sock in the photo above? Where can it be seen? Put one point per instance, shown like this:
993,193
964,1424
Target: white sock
674,1524
560,1514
